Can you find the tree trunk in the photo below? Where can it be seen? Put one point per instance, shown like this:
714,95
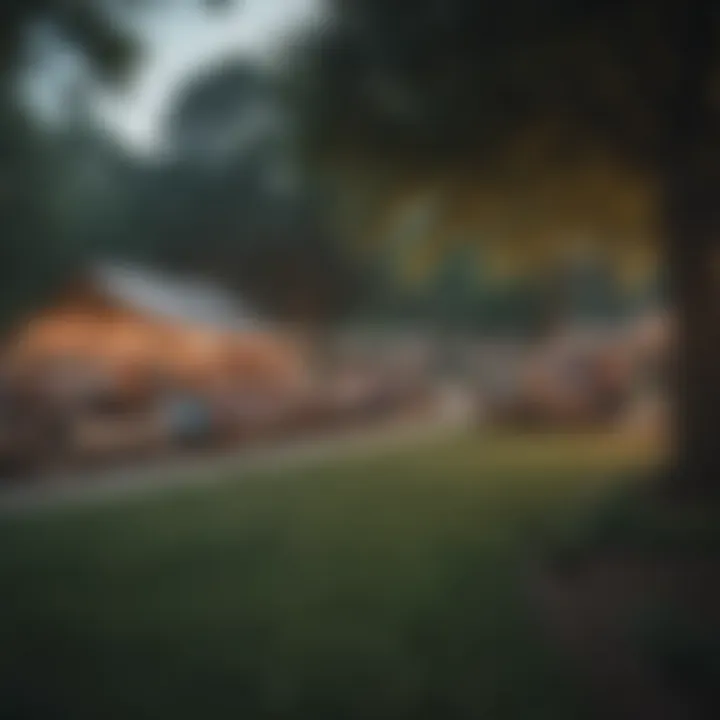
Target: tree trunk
694,259
692,204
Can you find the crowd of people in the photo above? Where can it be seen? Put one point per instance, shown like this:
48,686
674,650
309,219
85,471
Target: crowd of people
578,378
68,415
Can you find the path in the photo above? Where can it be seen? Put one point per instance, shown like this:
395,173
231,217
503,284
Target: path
453,413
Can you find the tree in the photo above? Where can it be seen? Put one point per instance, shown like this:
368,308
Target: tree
61,194
34,247
562,116
230,204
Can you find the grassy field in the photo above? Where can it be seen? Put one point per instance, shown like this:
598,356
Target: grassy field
391,587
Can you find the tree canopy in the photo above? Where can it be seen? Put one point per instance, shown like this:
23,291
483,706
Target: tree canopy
544,118
448,80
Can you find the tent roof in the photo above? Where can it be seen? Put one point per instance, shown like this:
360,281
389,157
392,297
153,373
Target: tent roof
173,298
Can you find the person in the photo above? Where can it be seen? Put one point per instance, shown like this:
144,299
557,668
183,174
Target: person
187,416
612,382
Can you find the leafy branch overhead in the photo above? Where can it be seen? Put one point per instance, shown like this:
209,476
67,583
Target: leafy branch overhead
540,115
437,78
98,27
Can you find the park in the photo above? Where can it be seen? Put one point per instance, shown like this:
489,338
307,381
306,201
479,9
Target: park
359,359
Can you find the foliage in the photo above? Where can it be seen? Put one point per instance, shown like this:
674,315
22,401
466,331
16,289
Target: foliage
546,119
34,249
78,196
70,195
475,75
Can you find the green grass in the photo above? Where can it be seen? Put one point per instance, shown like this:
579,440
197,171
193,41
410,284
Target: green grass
389,587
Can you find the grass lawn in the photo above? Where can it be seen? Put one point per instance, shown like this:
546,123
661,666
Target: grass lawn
388,587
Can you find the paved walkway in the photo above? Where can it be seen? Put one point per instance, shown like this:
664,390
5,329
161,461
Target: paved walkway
197,470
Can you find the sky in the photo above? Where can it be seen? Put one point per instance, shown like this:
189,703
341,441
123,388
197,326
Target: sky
180,42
